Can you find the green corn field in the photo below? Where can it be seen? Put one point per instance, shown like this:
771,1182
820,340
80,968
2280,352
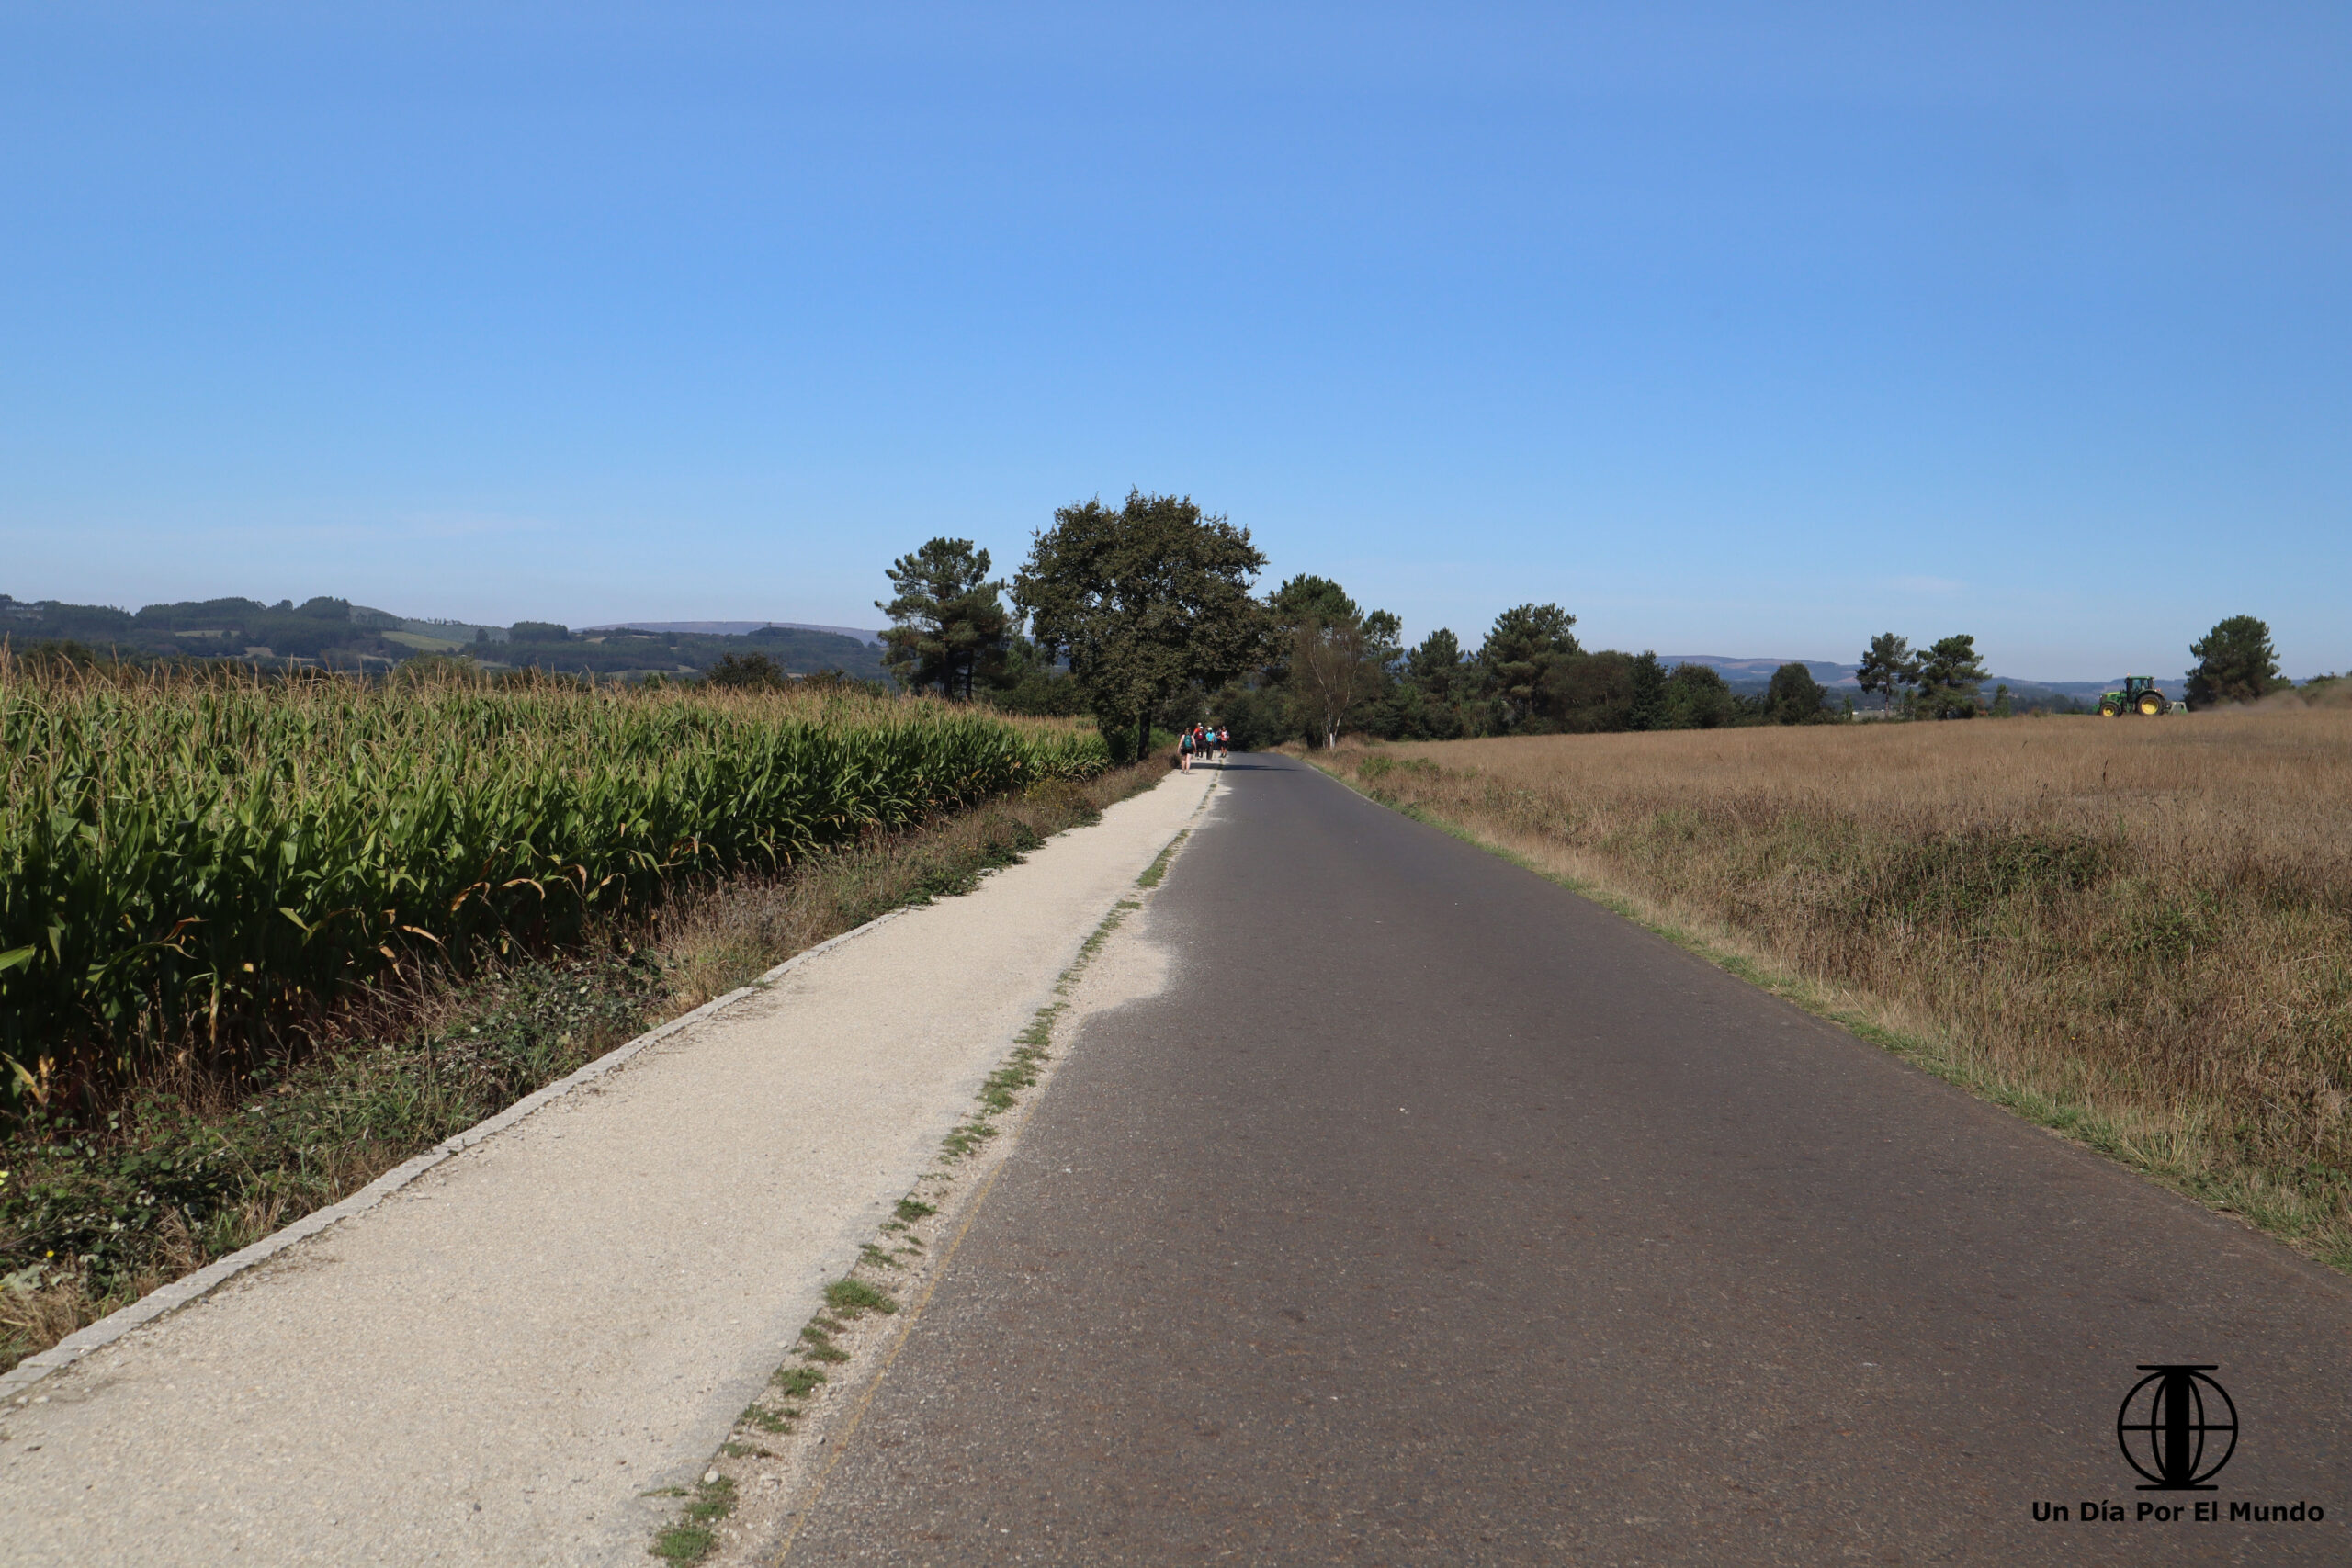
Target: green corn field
186,865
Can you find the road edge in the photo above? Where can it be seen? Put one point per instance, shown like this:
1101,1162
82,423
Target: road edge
1920,1054
782,1492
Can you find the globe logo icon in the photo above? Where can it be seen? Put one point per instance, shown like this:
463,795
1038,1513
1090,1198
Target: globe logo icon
2177,1428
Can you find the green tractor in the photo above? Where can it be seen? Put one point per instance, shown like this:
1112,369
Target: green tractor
2139,695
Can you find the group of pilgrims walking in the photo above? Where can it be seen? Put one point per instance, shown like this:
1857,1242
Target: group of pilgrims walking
1199,741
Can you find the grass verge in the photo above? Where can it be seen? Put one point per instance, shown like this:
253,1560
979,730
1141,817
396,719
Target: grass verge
185,1173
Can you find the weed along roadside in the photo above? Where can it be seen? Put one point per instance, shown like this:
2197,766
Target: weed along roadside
187,1170
767,1474
2139,937
591,1304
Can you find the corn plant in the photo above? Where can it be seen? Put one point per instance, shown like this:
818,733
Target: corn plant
183,861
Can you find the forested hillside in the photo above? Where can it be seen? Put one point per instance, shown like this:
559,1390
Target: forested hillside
334,633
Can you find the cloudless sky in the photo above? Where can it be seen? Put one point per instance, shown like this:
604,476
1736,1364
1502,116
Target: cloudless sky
1737,329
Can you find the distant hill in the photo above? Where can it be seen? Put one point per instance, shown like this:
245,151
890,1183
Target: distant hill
1741,673
800,650
335,634
321,631
737,628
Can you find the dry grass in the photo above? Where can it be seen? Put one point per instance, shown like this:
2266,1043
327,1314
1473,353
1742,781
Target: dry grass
2137,931
192,1170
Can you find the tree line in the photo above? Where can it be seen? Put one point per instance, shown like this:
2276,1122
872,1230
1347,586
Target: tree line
1146,616
2236,663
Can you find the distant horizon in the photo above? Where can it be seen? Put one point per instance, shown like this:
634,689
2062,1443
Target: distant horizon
730,628
873,634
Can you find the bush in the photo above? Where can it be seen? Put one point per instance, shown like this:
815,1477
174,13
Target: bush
1795,697
747,671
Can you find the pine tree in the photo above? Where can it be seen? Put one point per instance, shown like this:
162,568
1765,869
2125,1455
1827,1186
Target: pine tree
1888,668
2236,663
1949,678
1524,644
947,626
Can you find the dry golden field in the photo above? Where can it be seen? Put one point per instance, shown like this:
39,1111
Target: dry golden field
2138,931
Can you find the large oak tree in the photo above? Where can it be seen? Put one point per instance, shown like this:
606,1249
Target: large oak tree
1143,600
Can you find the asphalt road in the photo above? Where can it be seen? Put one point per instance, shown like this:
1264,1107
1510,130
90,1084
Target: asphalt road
1437,1215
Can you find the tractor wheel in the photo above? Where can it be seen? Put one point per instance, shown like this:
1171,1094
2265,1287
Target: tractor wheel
2109,710
2152,704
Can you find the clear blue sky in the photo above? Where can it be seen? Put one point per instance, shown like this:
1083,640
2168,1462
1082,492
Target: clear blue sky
1740,329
